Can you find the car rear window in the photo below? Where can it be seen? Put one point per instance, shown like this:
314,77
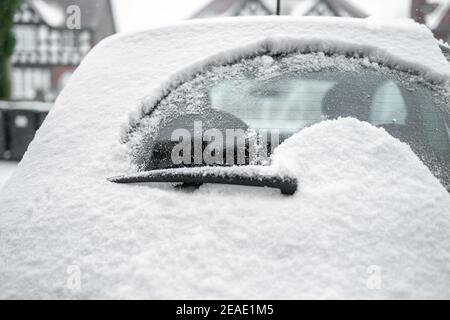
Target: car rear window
292,91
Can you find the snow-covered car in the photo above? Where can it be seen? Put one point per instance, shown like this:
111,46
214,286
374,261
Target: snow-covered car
144,180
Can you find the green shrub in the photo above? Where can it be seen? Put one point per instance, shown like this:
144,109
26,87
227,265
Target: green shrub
7,43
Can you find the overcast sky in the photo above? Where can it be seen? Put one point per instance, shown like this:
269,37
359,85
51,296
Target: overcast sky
133,15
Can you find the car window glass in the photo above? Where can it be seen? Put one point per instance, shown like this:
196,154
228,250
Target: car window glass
272,104
388,105
292,91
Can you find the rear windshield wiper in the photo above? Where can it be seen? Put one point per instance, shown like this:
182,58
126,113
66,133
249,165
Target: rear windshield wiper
255,177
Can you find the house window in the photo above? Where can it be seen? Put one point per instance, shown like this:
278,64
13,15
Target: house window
28,84
55,42
85,42
26,38
17,84
43,33
68,40
41,83
29,39
31,83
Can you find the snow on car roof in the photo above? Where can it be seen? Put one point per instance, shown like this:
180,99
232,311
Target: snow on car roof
359,204
401,44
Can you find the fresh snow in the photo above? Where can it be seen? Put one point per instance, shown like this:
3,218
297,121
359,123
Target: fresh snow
7,168
151,241
52,13
365,202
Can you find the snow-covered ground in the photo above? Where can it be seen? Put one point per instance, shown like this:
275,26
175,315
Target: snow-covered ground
7,168
369,219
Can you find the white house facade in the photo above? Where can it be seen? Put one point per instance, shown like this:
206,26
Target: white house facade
48,49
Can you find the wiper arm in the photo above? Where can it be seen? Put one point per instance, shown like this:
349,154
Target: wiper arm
217,175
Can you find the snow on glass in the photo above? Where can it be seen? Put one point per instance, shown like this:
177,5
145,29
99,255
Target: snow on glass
194,95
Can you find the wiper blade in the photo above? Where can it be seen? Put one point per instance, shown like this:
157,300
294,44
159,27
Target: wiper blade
253,176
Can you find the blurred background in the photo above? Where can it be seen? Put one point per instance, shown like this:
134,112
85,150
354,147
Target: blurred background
43,41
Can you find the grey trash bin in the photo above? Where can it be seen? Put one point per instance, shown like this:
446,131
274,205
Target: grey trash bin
22,126
21,119
3,134
40,117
